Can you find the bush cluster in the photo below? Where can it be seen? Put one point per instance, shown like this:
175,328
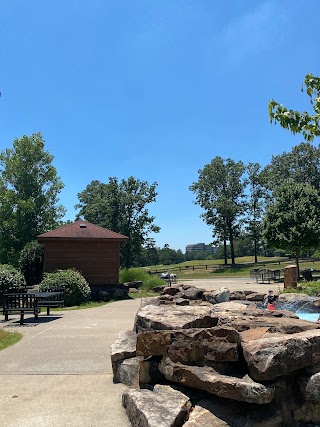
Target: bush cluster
76,288
139,274
310,288
11,280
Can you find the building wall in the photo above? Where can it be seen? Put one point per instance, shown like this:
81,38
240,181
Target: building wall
98,261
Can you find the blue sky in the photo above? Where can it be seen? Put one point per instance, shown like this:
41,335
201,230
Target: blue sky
154,89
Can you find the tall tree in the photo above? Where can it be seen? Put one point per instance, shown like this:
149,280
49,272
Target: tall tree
255,205
292,221
121,207
301,165
29,188
296,122
220,192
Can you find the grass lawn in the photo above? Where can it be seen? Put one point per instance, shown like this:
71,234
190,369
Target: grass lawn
197,269
88,304
8,338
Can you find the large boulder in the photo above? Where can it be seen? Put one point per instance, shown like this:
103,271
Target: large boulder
207,379
219,344
162,407
227,413
174,317
310,386
256,296
238,296
268,358
123,348
192,293
296,302
216,297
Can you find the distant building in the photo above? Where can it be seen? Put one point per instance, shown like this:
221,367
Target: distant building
201,247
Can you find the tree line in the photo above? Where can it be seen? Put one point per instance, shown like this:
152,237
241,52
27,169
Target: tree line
247,207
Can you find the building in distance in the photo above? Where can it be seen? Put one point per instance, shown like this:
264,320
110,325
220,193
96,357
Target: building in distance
201,247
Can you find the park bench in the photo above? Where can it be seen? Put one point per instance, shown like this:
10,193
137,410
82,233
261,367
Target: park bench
50,300
20,303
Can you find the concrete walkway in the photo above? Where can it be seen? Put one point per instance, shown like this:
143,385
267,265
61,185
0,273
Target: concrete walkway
60,372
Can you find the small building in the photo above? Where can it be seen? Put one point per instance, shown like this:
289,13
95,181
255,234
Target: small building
92,250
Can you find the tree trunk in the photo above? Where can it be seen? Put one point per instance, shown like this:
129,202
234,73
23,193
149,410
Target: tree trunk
232,250
225,252
255,251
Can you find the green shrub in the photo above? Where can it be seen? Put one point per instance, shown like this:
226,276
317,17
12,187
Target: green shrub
11,280
309,288
139,274
31,263
76,288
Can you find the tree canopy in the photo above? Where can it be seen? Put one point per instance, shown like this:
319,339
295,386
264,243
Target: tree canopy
301,165
297,122
121,206
292,221
220,192
29,188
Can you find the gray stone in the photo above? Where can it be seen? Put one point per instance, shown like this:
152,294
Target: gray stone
216,297
162,407
123,348
128,372
149,372
237,295
192,293
170,290
174,317
205,378
256,296
268,358
311,388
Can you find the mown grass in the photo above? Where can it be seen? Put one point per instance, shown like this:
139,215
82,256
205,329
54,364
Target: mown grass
215,268
8,338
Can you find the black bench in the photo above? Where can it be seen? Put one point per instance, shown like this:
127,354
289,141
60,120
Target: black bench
20,303
50,300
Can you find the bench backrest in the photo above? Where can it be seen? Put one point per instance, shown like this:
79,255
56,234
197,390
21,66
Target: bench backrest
21,300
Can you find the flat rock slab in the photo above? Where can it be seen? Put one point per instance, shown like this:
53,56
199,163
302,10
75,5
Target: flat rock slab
253,334
153,317
268,358
190,344
261,318
162,407
205,378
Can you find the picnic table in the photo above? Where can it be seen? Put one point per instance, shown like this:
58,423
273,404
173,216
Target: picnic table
30,303
265,275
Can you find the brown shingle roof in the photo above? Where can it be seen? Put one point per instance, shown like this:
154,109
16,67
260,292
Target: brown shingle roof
82,230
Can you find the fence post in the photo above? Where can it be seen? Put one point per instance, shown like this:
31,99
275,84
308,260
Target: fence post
206,267
193,267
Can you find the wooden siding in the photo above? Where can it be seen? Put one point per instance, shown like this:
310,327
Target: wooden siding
98,261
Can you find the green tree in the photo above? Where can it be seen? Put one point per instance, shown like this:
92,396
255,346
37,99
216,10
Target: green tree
301,165
292,221
255,206
31,262
121,207
29,188
296,122
220,192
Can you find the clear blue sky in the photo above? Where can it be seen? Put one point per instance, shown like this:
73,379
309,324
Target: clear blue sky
154,89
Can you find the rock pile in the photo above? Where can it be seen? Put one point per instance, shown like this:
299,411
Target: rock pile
196,359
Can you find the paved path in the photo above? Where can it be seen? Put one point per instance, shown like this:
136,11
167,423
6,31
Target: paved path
60,372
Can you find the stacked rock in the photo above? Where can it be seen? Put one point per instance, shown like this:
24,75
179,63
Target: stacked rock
216,362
